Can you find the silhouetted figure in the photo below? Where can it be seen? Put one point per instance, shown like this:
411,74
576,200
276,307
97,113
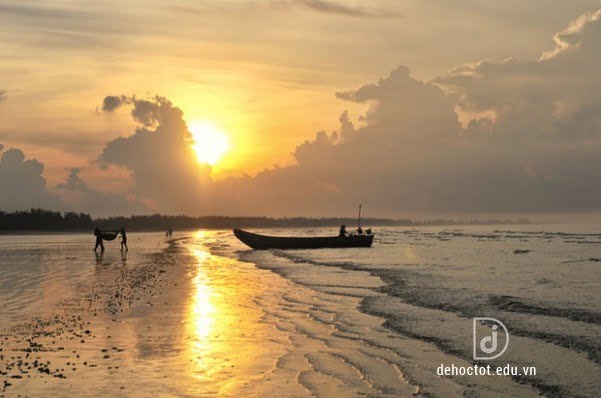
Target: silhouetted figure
98,236
368,231
123,239
342,232
170,232
359,231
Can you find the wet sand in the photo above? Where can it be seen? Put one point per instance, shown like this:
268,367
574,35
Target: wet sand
191,321
180,324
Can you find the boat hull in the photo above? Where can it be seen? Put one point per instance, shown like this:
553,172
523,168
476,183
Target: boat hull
109,236
264,242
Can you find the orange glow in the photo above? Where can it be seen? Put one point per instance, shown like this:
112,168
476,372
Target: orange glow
210,144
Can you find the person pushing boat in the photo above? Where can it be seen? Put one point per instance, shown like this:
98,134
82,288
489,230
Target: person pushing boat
98,235
102,235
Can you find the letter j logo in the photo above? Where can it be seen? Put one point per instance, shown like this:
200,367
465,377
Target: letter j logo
489,335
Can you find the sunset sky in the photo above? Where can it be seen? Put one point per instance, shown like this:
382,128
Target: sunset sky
307,107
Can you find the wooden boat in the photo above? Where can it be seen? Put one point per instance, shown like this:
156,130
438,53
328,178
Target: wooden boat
107,235
264,242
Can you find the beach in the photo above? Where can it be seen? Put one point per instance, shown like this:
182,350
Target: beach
202,315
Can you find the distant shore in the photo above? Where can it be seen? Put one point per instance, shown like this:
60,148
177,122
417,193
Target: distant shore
47,221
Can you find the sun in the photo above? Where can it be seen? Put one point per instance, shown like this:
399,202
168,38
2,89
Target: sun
210,144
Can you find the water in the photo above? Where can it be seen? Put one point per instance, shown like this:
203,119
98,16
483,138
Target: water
38,271
542,281
365,321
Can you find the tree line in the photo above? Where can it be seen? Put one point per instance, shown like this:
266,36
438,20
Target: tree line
48,220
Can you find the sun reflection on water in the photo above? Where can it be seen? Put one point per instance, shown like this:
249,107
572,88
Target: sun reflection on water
202,310
202,313
223,323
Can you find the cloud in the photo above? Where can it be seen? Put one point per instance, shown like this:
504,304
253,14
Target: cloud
112,102
21,181
389,162
330,7
514,136
571,37
554,98
64,25
165,170
511,136
41,12
23,186
77,195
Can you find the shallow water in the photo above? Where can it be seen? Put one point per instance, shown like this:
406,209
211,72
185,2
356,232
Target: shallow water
37,271
542,281
334,322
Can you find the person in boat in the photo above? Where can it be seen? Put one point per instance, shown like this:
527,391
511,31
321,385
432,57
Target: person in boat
98,235
359,231
123,239
343,233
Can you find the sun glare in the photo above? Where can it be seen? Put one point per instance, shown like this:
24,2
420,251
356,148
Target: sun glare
210,144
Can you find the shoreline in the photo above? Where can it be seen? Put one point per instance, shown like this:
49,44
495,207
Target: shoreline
400,316
79,338
202,317
416,358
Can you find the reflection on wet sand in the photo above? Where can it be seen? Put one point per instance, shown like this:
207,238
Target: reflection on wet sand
190,322
226,338
201,315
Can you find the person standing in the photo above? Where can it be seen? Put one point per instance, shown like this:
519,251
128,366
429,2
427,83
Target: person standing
123,239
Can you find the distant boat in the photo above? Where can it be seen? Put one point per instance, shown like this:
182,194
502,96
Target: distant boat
264,242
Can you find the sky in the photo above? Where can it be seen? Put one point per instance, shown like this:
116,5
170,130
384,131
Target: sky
301,107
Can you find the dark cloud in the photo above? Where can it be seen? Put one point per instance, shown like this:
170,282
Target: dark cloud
489,137
321,6
21,181
390,162
555,98
112,102
331,7
515,136
77,195
69,140
65,25
165,169
528,141
23,186
41,12
149,112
